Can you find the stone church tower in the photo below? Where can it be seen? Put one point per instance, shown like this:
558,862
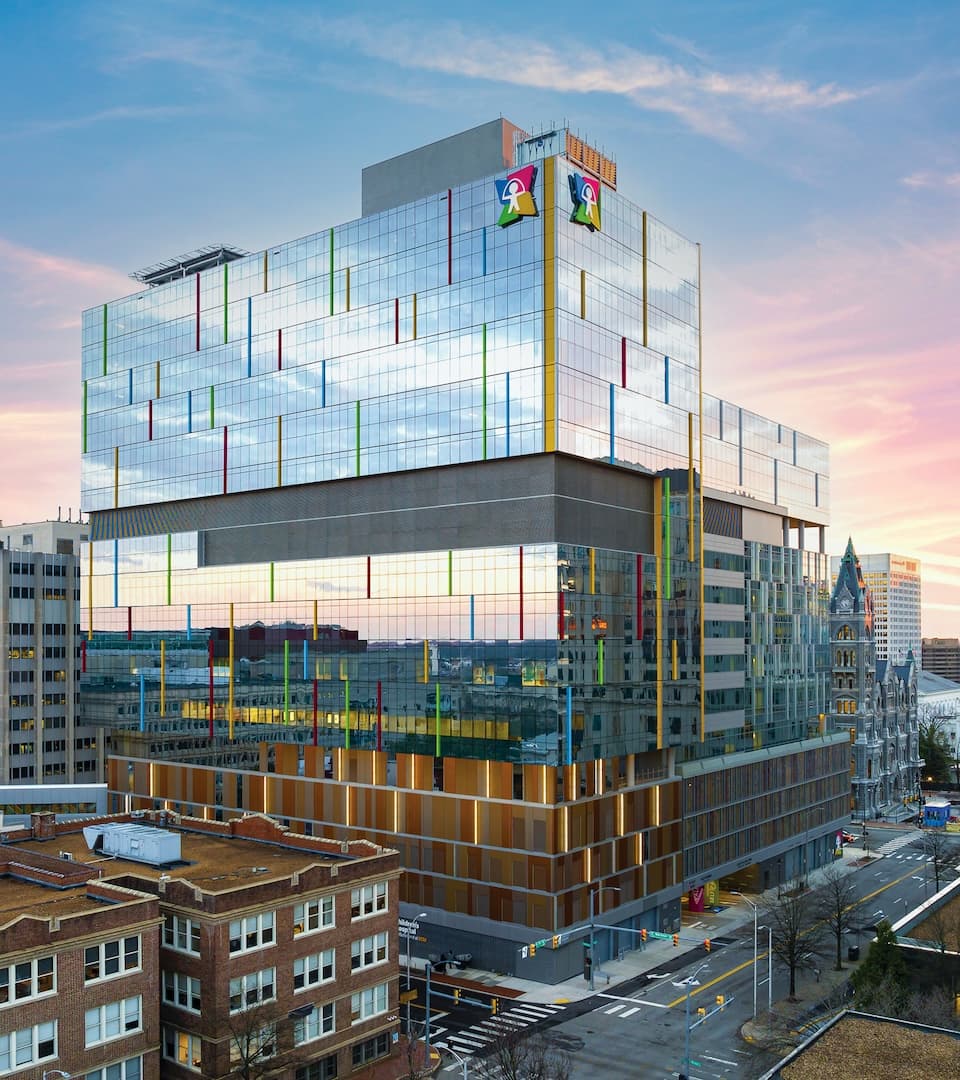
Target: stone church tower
876,700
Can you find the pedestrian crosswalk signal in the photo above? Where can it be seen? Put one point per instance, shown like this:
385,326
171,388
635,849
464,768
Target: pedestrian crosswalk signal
533,950
456,995
676,939
706,944
556,941
494,1006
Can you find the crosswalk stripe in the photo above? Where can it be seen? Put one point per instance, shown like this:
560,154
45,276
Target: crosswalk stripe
533,1010
630,1012
613,1009
468,1040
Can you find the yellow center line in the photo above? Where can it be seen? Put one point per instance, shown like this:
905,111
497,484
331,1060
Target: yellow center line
763,955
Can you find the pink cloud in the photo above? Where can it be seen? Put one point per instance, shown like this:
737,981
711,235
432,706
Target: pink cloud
862,354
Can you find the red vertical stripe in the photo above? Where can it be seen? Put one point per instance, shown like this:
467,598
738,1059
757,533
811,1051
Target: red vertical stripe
315,712
83,655
198,312
623,361
449,236
224,460
379,715
521,592
638,636
210,664
368,577
396,321
279,350
150,420
129,624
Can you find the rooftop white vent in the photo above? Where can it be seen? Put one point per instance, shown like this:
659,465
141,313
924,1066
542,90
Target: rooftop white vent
140,843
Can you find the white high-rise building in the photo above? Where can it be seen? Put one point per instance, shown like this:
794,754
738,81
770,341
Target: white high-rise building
894,583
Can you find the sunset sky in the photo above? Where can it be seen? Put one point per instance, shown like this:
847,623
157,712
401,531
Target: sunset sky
813,150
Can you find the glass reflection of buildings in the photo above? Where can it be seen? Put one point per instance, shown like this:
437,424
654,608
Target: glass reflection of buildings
411,508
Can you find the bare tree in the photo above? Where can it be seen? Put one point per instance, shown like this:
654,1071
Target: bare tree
937,848
524,1055
796,933
838,906
940,927
263,1043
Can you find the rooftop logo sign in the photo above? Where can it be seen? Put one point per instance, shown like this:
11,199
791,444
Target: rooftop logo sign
585,192
515,194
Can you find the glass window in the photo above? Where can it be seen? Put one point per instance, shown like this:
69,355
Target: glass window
313,915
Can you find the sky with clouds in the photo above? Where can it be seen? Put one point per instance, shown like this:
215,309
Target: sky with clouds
812,149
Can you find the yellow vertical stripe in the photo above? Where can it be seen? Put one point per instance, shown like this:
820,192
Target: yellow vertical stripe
116,477
657,560
549,307
426,661
643,261
90,591
279,451
674,666
703,711
230,683
690,548
316,633
593,570
414,316
157,394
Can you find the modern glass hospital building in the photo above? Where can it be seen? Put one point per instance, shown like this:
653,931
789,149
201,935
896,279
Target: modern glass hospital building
423,528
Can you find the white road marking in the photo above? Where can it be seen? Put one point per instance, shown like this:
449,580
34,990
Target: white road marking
630,1012
613,1009
723,1061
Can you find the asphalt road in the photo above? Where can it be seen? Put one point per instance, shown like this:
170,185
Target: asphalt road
638,1028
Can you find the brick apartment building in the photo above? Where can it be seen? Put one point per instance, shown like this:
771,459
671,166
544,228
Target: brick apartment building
248,949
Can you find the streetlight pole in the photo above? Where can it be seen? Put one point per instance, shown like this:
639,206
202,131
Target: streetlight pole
427,968
755,911
594,892
459,1059
686,1035
769,930
415,919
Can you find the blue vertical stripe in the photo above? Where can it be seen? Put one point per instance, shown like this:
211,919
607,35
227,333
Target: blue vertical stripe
189,628
666,380
568,730
116,573
189,411
508,414
130,386
471,619
249,336
304,659
613,428
143,702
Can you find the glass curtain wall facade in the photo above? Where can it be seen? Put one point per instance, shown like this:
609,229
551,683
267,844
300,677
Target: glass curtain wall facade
428,488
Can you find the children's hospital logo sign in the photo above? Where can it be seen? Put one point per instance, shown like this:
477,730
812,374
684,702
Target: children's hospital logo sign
585,192
515,195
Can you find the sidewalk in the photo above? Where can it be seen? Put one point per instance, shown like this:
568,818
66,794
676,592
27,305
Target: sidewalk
731,917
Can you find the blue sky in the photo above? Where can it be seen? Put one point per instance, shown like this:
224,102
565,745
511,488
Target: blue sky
812,149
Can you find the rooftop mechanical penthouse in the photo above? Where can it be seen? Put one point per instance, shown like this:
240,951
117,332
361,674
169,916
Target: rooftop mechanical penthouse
423,528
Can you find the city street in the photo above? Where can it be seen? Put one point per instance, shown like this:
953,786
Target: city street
643,1021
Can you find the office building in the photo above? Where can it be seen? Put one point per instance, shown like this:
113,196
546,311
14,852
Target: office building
894,584
875,698
432,510
189,946
941,656
43,738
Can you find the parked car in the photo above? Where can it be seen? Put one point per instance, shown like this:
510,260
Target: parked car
849,838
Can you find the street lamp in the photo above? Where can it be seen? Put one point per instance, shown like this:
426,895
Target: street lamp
51,1074
427,967
594,892
459,1059
415,919
755,912
691,980
769,930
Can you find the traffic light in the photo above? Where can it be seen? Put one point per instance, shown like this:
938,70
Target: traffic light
556,941
701,1011
720,1000
587,960
494,1006
533,950
643,936
676,940
706,944
456,995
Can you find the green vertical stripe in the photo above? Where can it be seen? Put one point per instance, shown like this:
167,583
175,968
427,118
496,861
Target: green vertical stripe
84,415
358,438
286,682
666,536
271,583
437,722
346,709
211,408
104,339
331,271
225,330
169,569
483,392
449,573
